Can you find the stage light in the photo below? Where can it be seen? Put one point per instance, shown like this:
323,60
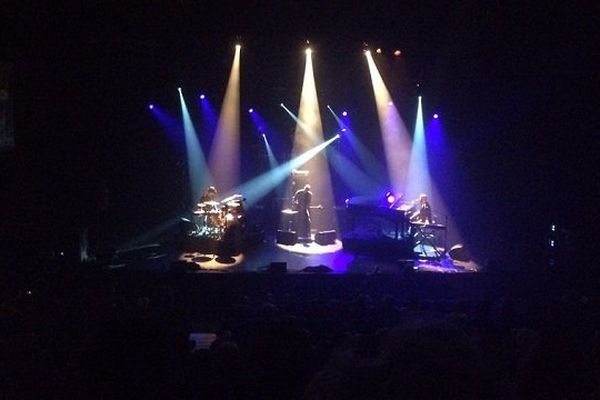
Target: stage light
344,129
378,51
238,46
345,113
151,106
179,89
202,97
390,103
281,105
390,198
250,110
263,135
308,51
337,136
435,116
397,53
367,53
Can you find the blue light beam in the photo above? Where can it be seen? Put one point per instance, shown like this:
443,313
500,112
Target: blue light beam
257,188
198,173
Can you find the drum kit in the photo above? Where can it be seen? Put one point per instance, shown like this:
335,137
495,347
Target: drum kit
213,218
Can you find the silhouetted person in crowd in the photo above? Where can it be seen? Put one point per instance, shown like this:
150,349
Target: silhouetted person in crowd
425,360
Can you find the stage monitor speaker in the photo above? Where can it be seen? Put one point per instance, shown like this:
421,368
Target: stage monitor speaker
325,237
458,252
318,269
277,267
288,238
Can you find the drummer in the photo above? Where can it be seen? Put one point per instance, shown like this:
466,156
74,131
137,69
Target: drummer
208,209
209,195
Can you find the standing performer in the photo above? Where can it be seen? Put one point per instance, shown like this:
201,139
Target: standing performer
302,199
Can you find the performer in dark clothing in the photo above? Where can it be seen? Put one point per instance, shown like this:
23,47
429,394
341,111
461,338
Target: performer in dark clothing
209,195
302,199
422,213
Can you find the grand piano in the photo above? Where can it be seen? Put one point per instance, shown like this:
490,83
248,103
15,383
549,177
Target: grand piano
376,229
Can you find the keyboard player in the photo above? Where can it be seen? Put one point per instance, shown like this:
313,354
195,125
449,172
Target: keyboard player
422,213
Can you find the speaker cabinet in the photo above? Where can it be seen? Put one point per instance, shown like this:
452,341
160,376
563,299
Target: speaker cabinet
288,238
277,268
325,237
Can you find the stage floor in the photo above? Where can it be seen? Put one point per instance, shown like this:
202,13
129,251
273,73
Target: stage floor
269,256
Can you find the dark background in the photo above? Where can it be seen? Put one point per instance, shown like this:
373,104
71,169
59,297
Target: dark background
515,84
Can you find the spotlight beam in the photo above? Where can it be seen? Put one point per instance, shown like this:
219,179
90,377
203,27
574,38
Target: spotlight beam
272,160
225,150
257,188
419,179
152,234
340,123
304,126
169,124
198,174
365,156
353,177
309,133
209,122
396,139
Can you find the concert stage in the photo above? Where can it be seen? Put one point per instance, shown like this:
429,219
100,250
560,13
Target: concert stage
369,239
311,257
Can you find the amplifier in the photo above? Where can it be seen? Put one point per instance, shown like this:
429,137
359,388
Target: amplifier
288,238
325,237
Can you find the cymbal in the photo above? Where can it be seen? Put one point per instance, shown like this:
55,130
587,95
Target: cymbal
428,225
289,211
233,204
211,203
